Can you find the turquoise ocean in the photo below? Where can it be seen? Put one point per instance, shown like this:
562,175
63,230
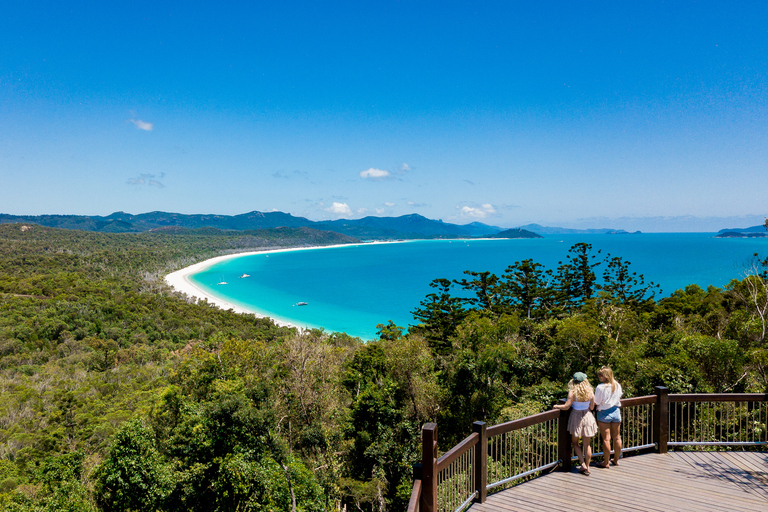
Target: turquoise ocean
353,288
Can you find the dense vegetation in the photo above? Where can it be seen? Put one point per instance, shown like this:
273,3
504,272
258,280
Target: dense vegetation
119,394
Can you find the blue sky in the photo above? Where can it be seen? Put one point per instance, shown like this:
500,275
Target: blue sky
634,115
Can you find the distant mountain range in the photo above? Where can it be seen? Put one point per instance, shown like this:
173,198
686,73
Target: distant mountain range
544,230
367,228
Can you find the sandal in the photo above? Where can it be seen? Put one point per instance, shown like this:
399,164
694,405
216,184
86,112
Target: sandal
603,465
614,463
584,471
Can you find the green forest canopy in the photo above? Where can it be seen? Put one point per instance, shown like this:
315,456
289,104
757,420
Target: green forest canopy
120,394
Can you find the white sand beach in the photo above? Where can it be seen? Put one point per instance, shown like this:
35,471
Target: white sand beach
180,281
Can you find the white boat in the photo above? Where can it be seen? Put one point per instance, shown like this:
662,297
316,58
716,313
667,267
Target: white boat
245,275
223,282
302,303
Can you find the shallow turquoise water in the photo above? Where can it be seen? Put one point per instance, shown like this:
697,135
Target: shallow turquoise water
352,289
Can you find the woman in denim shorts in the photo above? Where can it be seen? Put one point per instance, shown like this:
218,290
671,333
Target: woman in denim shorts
608,403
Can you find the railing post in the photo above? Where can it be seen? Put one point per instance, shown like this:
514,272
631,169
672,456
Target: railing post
481,461
564,439
413,504
428,468
661,419
417,471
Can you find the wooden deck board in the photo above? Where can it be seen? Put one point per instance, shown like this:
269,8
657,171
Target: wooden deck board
728,467
684,481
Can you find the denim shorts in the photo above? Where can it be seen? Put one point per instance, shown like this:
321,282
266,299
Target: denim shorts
612,415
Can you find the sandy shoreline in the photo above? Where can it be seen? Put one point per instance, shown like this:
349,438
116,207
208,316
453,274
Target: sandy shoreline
180,281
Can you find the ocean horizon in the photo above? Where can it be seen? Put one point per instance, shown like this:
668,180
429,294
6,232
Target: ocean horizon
353,288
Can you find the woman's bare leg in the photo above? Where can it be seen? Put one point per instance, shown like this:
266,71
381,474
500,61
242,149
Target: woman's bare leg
617,446
577,449
605,434
587,443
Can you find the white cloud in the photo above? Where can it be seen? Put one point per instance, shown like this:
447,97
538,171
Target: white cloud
405,167
390,205
477,212
375,174
142,125
380,211
341,209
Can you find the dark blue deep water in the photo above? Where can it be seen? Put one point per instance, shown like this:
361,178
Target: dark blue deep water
352,289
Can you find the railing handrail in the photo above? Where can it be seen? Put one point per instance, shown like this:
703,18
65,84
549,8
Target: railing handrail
719,397
639,400
528,421
413,503
457,451
659,439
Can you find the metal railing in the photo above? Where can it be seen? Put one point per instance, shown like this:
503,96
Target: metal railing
637,421
710,420
522,448
500,456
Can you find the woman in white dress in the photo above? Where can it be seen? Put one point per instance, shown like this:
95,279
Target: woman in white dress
608,402
581,423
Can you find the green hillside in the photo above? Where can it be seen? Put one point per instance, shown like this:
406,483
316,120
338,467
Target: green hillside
119,394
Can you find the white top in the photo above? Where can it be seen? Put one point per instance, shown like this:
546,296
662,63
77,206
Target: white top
580,406
605,398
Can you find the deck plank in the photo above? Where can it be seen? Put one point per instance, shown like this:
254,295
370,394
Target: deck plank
702,481
720,465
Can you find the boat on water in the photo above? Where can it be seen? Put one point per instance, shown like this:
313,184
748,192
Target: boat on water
301,304
245,275
223,282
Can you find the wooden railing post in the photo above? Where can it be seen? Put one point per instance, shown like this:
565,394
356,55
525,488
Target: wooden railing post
661,419
481,461
413,503
564,439
428,468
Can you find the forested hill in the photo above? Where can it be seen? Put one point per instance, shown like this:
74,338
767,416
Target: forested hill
380,228
120,395
515,233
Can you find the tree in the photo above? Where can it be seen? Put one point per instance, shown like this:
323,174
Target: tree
133,477
576,280
440,313
527,287
487,291
752,293
63,490
625,287
389,331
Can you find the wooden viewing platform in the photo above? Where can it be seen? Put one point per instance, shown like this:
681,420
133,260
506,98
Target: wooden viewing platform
672,481
528,464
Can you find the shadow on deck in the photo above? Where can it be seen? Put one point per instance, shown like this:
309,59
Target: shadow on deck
684,481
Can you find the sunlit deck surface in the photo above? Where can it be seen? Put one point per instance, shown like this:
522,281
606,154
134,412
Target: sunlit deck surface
689,481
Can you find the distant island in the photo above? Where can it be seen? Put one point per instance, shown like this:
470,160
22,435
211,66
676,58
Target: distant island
740,234
515,233
750,232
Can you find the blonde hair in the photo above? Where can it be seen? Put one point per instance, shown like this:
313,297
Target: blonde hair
582,391
608,374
